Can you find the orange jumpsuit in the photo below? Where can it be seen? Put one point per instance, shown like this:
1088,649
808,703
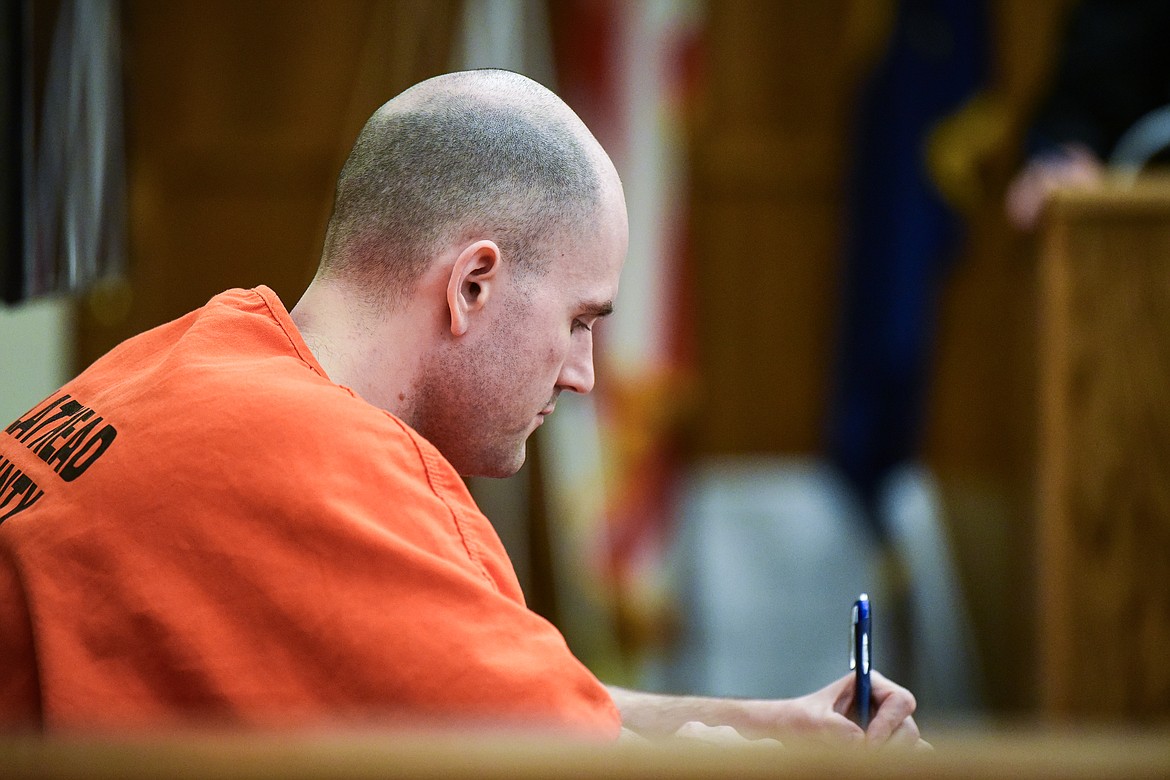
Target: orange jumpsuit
202,528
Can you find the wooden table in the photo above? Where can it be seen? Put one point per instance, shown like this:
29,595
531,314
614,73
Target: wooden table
1017,754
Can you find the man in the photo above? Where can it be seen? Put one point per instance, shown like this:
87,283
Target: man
255,517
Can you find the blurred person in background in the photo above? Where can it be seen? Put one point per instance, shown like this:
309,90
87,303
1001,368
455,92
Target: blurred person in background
1113,70
904,231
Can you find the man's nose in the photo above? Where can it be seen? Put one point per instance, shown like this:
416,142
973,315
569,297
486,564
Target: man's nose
577,371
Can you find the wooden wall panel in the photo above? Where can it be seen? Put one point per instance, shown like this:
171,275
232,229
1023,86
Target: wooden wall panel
238,118
767,170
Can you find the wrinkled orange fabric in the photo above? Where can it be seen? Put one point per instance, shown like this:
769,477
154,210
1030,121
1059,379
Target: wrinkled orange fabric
217,533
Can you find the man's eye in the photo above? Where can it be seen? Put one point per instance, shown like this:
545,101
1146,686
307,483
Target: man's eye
581,325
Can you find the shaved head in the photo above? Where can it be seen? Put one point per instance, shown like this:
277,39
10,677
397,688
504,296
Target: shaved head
478,235
486,153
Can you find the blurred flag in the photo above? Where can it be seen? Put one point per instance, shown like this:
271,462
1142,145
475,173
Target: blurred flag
607,461
900,240
631,74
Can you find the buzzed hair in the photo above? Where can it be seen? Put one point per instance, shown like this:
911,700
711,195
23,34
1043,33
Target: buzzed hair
486,154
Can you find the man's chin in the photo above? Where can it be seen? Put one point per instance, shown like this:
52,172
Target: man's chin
500,467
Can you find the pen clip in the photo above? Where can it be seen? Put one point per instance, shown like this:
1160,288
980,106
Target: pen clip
865,653
853,640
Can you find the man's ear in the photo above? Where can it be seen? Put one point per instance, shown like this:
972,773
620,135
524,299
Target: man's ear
473,280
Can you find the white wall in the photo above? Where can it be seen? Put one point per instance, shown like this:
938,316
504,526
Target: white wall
36,349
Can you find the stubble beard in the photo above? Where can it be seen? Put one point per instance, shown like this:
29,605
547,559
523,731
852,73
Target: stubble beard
460,407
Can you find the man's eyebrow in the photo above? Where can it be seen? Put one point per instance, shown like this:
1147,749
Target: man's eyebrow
603,309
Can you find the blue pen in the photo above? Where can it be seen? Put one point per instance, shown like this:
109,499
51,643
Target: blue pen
860,648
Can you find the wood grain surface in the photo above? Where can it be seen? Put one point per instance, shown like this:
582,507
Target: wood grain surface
1104,452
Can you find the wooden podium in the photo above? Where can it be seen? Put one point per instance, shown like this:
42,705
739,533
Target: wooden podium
1104,451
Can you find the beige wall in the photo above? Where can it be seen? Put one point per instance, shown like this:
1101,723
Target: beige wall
36,353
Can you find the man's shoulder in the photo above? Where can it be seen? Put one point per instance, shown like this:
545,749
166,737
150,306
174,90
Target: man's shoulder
235,379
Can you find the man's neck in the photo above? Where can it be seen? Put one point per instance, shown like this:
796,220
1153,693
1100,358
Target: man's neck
374,354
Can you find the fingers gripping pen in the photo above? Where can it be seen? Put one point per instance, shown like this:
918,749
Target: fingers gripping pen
860,650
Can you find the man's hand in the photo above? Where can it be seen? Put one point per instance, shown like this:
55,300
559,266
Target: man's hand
819,717
823,716
893,724
1074,166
